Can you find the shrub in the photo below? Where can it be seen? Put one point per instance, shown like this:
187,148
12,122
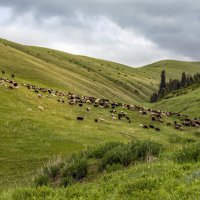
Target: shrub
49,173
140,149
180,140
190,153
77,169
197,133
42,179
100,151
119,155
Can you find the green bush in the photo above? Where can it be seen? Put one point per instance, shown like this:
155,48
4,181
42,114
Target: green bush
119,155
180,140
101,150
140,149
190,153
110,157
42,179
197,133
77,169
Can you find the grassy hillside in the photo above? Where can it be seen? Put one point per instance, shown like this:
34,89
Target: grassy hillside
87,76
154,181
185,101
29,137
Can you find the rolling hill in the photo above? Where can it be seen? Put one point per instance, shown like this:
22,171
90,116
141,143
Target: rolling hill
30,136
87,76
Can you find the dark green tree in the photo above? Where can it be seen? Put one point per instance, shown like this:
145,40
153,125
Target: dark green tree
183,80
162,89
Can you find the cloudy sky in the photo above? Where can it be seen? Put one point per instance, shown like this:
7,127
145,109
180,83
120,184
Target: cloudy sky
133,32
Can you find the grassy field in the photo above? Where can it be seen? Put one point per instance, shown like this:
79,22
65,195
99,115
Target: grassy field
30,138
154,181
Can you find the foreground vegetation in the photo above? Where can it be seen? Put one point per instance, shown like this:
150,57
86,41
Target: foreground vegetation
175,176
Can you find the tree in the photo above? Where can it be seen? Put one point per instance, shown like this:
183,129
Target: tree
163,80
163,88
183,80
154,97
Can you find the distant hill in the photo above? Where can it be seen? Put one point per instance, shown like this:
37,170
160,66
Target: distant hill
85,75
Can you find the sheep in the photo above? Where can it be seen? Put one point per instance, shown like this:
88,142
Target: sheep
11,87
3,72
39,95
40,108
101,119
144,126
157,129
96,120
12,76
151,126
80,118
127,118
169,124
71,103
88,108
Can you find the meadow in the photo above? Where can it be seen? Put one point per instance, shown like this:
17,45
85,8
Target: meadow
29,139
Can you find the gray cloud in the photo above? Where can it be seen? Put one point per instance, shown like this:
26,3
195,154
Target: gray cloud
134,32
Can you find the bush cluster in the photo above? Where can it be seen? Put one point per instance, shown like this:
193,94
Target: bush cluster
190,153
110,156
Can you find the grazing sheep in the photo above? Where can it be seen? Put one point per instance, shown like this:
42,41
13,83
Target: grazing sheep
71,103
12,76
39,95
3,72
96,120
101,119
80,105
80,118
151,126
11,87
41,108
169,124
29,109
157,129
144,126
88,108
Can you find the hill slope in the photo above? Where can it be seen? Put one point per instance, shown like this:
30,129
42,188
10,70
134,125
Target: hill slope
87,76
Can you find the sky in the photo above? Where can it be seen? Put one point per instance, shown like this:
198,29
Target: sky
132,32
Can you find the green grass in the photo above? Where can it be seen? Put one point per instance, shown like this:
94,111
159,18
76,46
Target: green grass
28,139
185,101
159,180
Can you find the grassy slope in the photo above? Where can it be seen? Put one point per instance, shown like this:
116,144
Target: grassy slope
30,138
27,139
185,101
154,181
87,76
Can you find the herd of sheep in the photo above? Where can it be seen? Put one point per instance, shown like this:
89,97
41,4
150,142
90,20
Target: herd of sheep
73,99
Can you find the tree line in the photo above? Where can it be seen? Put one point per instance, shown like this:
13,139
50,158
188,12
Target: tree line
174,84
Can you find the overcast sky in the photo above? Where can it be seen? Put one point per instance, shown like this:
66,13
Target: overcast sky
133,32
